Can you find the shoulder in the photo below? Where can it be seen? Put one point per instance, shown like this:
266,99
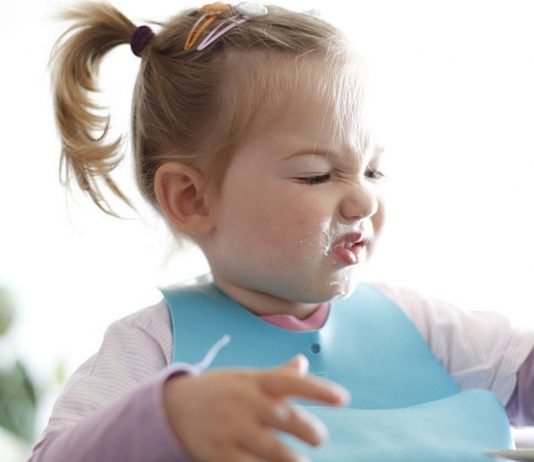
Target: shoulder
480,349
429,313
422,310
151,318
150,325
434,317
135,349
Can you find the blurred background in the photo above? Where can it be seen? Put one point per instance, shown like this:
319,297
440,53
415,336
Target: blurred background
453,102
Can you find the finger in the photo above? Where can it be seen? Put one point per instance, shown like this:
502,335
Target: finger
278,383
295,421
299,363
235,455
268,447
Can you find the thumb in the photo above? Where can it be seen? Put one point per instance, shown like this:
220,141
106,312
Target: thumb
299,363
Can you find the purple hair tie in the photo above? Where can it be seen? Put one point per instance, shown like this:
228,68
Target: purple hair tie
141,36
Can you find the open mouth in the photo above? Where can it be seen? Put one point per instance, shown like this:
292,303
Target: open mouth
348,248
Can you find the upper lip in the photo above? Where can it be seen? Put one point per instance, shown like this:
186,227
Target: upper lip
349,240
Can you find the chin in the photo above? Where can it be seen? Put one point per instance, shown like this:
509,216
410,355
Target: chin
344,285
331,290
341,292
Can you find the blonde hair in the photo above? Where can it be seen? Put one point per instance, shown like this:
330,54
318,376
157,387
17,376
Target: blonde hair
188,105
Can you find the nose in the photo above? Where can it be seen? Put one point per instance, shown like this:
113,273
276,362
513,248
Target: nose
359,203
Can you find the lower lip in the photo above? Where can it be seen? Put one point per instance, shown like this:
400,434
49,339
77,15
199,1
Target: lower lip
348,256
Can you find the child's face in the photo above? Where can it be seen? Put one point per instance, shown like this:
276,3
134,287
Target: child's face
293,204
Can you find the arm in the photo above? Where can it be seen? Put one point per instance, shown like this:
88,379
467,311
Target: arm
521,406
133,428
112,407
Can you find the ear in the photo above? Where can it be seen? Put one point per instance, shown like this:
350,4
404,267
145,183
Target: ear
181,194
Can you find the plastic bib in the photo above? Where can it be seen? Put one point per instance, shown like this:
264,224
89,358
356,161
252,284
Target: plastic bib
405,406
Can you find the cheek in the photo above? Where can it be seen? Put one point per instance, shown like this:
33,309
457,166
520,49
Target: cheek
285,232
301,238
268,212
283,227
274,223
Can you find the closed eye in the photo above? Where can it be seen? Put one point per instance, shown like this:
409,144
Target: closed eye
313,180
374,174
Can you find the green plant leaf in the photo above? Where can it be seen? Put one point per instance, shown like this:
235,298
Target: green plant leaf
60,373
18,402
7,310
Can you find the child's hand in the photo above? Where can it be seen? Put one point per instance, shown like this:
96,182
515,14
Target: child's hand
229,415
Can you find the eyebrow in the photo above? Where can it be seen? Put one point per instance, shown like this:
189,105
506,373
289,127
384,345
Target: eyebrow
377,152
310,152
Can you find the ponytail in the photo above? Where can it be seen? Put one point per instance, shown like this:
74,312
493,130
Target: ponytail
97,28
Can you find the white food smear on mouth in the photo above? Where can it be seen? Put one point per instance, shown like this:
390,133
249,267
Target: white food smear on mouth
332,236
324,241
328,238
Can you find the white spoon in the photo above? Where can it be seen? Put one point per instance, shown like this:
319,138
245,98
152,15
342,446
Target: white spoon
512,454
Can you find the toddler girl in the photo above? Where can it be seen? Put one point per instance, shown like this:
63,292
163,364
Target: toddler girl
250,138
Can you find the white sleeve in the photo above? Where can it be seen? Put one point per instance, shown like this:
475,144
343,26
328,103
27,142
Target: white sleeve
479,349
134,350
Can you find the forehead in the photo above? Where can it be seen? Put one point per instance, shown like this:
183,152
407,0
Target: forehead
320,98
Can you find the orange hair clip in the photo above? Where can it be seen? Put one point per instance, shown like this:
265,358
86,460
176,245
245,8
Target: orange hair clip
215,8
209,14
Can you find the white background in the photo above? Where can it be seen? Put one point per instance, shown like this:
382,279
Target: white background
454,83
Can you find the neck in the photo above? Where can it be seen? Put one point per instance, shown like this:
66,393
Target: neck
263,304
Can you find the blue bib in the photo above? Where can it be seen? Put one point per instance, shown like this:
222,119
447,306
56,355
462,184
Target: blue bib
405,406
